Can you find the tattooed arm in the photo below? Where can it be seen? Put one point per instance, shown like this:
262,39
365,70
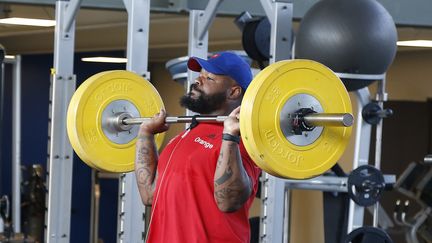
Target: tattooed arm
232,185
145,167
147,156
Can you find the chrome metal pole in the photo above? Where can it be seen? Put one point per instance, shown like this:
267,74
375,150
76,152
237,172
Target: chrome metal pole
16,145
428,159
381,97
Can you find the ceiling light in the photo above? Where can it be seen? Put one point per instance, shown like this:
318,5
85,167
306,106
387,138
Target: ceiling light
105,59
29,22
416,43
10,56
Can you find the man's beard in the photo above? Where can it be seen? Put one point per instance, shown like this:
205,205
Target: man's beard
203,104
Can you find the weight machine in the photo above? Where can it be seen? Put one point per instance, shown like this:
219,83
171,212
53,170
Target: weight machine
416,184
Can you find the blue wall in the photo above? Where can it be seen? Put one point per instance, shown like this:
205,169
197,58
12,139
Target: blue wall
35,97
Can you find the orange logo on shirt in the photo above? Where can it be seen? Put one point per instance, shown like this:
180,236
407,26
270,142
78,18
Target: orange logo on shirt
204,143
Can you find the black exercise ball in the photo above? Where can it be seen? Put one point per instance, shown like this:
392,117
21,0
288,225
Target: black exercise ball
348,36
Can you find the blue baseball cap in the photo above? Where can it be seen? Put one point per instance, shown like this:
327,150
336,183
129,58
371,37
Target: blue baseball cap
224,63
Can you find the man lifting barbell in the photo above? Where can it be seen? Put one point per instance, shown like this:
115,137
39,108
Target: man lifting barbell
203,183
295,121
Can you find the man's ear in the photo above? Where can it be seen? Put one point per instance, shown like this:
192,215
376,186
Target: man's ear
235,92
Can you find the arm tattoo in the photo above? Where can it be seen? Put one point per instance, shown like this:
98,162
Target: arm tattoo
145,167
232,188
219,162
143,174
144,181
142,155
226,176
230,192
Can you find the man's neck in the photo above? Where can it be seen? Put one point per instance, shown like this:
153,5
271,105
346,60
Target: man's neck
223,111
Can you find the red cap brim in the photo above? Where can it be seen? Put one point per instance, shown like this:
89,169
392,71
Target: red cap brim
194,65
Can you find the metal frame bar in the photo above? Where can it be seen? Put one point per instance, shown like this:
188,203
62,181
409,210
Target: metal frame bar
16,144
138,36
2,99
361,155
60,153
276,198
281,27
94,206
207,18
199,24
131,211
16,140
197,47
381,97
69,16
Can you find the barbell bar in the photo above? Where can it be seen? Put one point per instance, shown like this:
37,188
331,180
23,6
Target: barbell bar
295,119
312,120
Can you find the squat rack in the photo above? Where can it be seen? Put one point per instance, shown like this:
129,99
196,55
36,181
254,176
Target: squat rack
60,153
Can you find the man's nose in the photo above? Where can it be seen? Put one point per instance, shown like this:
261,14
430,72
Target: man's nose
198,80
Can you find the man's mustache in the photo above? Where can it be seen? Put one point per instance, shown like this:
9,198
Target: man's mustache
195,87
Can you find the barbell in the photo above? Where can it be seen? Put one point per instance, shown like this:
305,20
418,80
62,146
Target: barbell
306,119
295,119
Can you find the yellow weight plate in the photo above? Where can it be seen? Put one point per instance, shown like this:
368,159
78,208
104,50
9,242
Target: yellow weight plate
246,125
86,113
260,119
